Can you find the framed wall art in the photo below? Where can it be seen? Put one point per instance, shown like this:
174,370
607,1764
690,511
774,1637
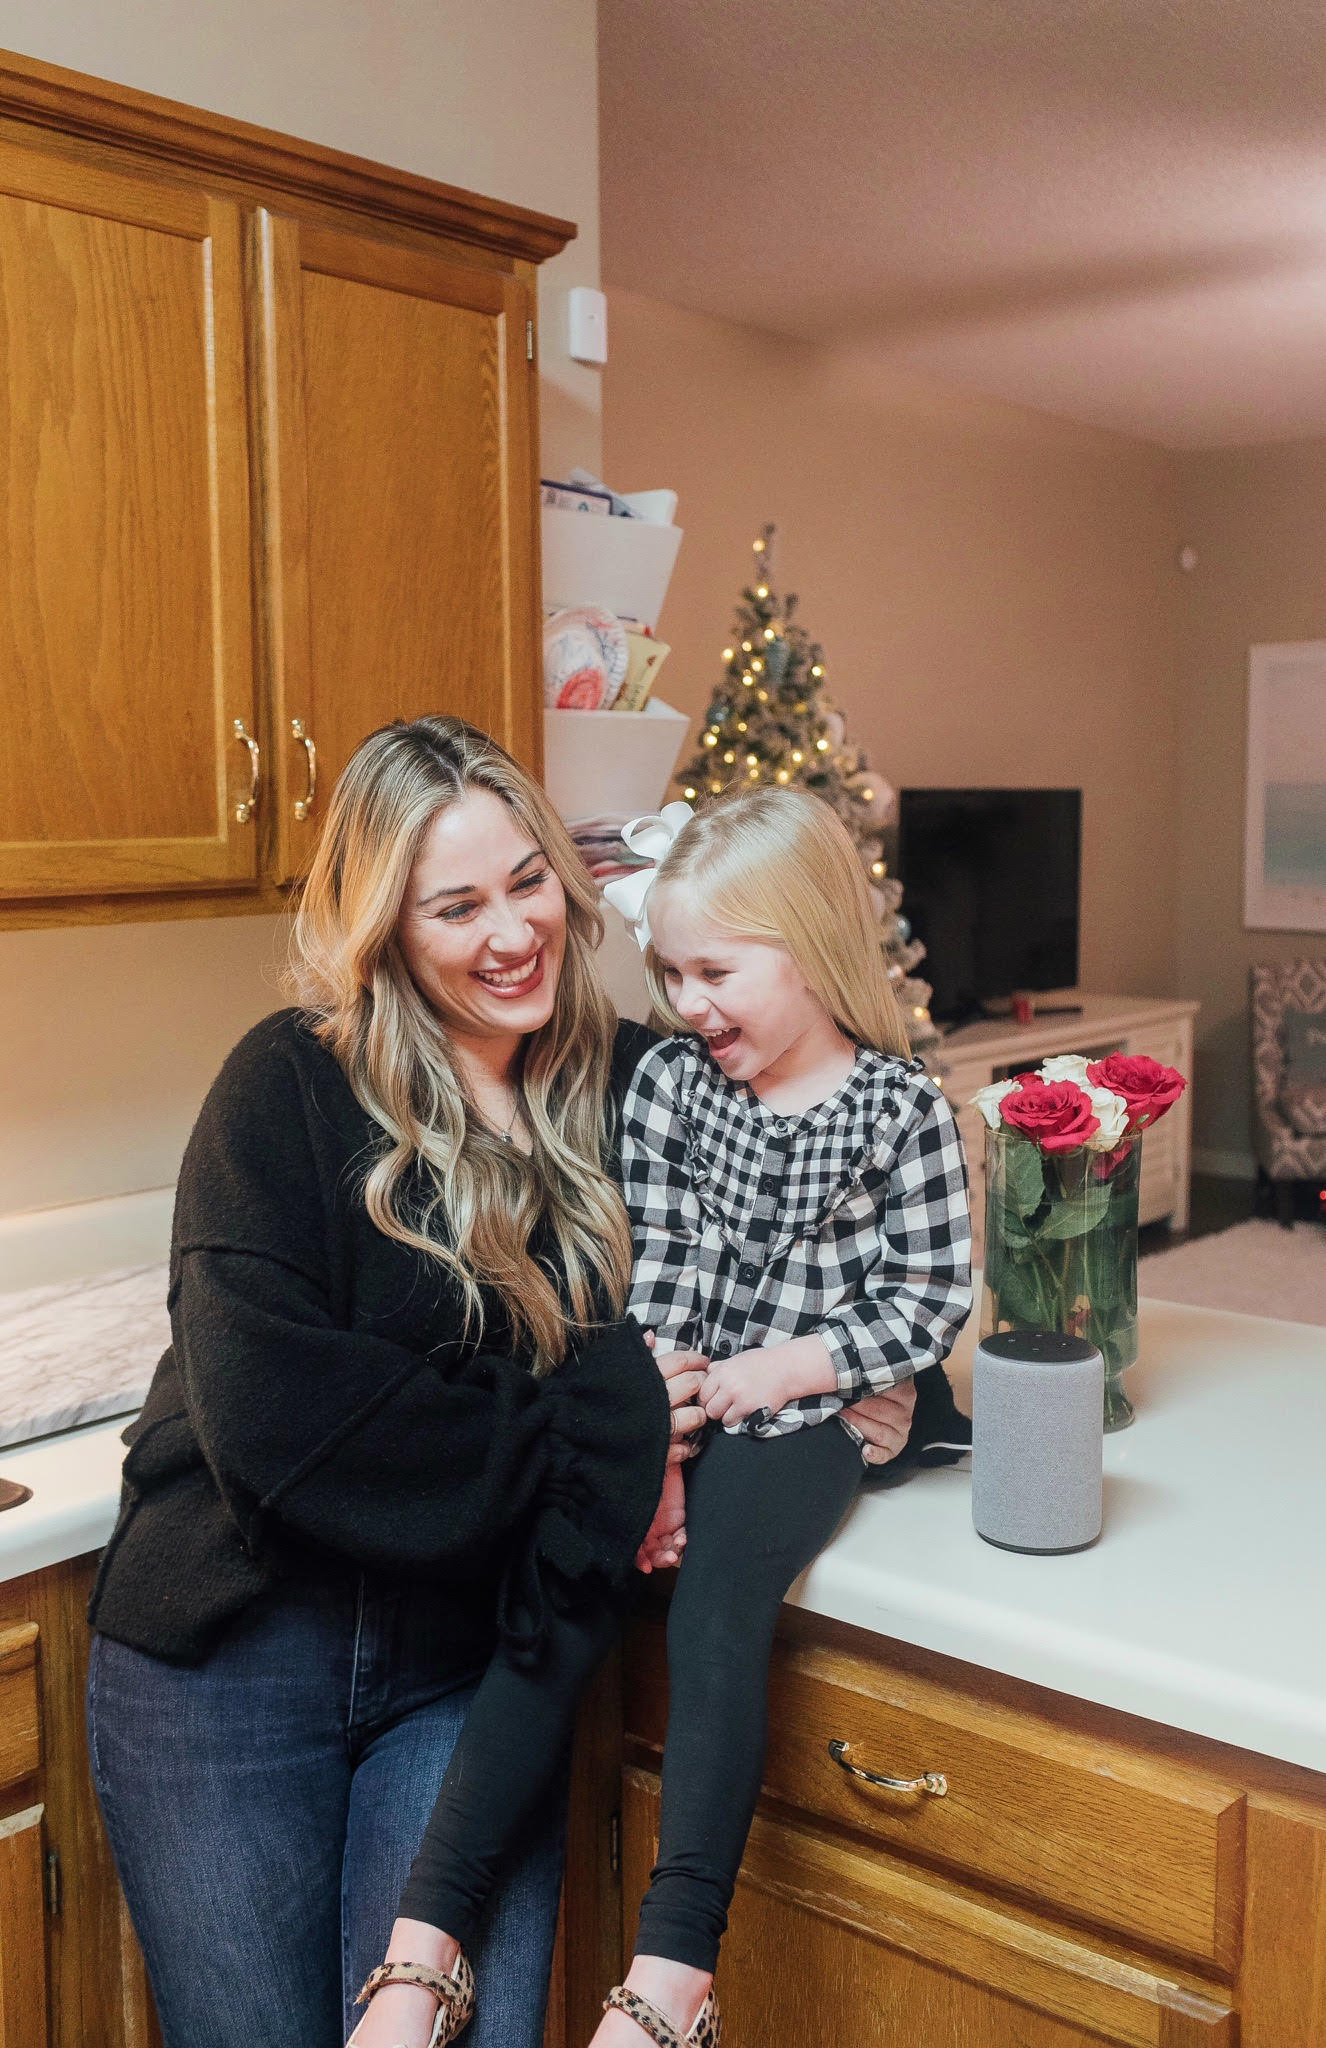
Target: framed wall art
1284,867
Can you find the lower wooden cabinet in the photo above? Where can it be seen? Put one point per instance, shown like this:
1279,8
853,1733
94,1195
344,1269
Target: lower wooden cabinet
833,1940
1087,1878
71,1972
24,2007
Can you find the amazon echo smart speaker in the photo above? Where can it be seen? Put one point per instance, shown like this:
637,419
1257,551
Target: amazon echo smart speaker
1037,1440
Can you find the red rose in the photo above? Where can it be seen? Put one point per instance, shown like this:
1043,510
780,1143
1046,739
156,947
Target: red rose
1056,1115
1148,1088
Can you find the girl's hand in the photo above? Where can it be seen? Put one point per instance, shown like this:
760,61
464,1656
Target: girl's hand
768,1377
683,1372
666,1538
885,1421
736,1387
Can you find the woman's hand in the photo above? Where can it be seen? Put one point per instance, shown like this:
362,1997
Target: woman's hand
666,1539
885,1421
683,1372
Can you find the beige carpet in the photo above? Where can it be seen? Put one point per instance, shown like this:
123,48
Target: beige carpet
1257,1268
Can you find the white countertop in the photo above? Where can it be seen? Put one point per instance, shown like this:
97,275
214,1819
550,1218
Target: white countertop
75,1481
1201,1606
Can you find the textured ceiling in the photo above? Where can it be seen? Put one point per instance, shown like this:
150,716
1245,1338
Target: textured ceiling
1114,210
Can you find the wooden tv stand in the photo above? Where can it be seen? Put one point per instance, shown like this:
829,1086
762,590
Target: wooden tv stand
976,1054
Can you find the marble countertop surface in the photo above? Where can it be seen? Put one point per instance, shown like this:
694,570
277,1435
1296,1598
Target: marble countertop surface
80,1351
1200,1607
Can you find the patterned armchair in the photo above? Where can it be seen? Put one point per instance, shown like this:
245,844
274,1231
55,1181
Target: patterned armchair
1289,1075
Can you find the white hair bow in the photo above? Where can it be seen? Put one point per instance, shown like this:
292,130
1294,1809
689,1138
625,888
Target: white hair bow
652,836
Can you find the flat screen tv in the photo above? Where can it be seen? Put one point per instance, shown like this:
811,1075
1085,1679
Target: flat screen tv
991,881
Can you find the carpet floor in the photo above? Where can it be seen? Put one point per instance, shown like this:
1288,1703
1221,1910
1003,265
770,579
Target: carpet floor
1256,1268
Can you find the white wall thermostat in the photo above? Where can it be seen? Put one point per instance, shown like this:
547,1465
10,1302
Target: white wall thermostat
587,321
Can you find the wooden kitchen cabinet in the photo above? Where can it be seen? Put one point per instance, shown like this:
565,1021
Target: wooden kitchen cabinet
24,2012
269,482
1087,1878
23,1997
124,627
71,1973
396,423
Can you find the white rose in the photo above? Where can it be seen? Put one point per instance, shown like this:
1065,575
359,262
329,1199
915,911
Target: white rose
988,1099
1113,1113
1066,1066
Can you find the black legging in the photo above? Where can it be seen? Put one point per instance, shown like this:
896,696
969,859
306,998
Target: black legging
509,1753
757,1513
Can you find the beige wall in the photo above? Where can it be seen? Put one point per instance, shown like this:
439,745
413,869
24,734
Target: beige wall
109,1037
996,591
1257,518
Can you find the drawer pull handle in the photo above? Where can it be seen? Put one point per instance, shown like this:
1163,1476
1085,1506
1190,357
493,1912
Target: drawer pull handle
933,1782
304,804
246,805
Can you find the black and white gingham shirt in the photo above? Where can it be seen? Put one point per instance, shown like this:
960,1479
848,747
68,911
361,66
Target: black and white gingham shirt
848,1222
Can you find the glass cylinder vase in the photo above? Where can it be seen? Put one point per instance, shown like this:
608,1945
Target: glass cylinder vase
1061,1249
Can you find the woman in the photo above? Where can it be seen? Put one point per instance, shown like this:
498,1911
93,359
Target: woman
401,1419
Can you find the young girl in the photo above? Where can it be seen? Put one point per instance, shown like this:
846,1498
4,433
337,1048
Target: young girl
798,1203
798,1199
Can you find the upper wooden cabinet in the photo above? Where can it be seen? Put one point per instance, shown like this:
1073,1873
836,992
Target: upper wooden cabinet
267,480
124,534
396,411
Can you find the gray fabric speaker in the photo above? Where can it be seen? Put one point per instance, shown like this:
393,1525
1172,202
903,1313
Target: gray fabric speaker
1037,1428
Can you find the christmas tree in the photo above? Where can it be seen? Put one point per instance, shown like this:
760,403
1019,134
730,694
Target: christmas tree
771,721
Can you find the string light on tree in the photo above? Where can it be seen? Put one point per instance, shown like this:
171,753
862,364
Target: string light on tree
771,721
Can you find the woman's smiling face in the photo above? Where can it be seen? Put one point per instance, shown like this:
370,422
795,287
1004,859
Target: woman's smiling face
483,925
745,997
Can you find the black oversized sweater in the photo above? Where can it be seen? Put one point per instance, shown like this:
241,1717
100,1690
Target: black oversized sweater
318,1410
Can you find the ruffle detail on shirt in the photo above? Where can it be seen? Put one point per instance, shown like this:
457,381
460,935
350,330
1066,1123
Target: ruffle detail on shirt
726,1138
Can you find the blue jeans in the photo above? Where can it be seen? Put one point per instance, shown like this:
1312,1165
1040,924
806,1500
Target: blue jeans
264,1808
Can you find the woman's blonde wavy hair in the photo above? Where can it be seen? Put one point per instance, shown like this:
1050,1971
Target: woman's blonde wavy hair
443,1181
779,865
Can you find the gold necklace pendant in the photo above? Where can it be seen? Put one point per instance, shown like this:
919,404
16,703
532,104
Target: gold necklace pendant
504,1136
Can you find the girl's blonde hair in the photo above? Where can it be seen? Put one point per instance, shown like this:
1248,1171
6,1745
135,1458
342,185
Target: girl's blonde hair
443,1181
779,865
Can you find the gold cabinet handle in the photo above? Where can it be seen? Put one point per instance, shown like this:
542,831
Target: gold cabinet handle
933,1782
304,804
247,805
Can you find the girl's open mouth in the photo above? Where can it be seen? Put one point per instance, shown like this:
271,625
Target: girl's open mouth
720,1042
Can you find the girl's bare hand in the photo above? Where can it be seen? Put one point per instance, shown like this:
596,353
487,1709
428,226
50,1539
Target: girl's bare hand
885,1421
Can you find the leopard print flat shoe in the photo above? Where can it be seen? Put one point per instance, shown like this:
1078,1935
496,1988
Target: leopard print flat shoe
707,2031
454,1994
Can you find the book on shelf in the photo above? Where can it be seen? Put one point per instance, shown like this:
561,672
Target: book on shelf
645,658
575,497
